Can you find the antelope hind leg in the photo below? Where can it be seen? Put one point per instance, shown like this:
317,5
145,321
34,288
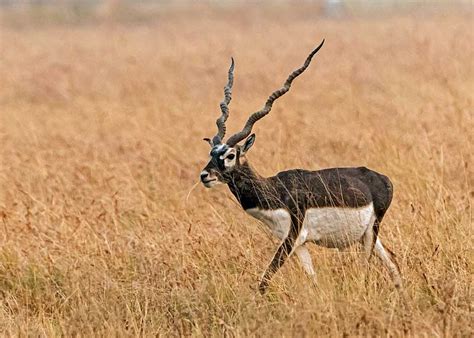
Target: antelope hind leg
306,262
388,259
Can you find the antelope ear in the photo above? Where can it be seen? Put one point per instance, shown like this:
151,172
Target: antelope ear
248,144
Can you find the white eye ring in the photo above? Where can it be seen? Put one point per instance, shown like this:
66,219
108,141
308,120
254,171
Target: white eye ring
230,157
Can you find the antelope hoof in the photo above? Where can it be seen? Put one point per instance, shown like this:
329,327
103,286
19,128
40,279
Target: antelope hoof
262,288
398,284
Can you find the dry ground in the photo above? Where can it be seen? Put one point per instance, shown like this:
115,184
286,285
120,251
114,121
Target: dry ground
104,230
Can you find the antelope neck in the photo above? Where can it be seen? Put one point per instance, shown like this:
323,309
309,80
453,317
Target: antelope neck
247,185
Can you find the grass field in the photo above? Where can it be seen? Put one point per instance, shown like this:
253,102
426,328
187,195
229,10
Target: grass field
105,229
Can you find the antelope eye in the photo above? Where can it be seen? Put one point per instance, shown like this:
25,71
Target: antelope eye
230,157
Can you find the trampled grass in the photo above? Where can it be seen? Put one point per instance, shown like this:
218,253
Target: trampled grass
105,229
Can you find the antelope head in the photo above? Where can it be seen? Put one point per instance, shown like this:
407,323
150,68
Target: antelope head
228,156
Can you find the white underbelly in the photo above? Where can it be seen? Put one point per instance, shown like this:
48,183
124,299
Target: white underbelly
330,227
336,227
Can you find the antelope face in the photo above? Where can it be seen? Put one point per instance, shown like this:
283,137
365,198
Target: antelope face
224,160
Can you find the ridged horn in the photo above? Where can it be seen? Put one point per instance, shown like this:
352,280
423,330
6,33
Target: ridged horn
236,138
220,122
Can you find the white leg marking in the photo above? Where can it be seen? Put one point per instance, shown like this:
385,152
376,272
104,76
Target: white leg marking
386,258
305,260
368,240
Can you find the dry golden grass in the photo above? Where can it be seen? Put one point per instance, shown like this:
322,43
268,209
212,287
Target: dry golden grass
103,228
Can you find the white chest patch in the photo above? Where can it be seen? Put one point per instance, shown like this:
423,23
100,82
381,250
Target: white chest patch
278,220
329,227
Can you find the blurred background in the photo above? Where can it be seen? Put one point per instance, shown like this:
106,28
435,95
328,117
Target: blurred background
82,11
104,227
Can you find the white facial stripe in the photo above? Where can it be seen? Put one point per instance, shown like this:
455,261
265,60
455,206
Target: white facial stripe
228,162
226,153
220,147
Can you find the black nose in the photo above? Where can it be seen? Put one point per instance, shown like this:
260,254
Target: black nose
204,174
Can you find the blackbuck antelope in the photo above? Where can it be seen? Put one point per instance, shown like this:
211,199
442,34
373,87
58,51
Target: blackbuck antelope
334,207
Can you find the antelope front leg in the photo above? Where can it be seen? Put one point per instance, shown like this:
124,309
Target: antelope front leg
282,253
